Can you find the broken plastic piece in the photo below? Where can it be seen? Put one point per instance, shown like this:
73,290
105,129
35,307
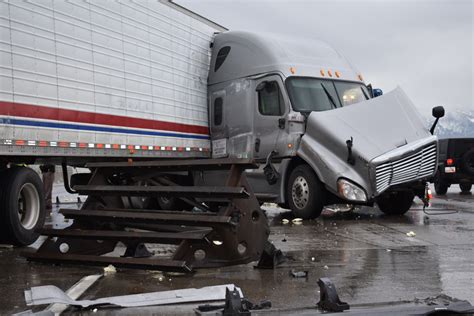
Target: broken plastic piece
285,221
271,257
411,234
299,274
329,300
234,305
296,220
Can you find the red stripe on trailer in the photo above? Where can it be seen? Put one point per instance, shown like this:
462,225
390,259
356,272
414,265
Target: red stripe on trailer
115,146
82,145
63,144
43,143
100,145
50,113
20,142
180,148
144,147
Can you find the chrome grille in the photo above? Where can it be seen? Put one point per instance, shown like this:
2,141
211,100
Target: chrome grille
418,165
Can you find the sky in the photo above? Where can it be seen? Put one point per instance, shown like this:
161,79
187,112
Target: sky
425,47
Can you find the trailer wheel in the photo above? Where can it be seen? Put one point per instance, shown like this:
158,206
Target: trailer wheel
306,194
22,206
465,187
441,187
395,203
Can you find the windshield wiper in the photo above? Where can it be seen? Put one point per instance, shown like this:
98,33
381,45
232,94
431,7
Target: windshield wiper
329,96
365,94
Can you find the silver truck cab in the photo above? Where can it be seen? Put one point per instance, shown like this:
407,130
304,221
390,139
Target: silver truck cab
303,111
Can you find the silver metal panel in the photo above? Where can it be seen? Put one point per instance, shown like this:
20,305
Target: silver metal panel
138,59
418,165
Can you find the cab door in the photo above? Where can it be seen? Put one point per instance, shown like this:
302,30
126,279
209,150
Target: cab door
270,117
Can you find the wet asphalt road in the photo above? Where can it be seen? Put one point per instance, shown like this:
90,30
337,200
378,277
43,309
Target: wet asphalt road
367,255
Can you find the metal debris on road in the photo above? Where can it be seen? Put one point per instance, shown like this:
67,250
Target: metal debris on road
49,294
299,274
285,221
411,234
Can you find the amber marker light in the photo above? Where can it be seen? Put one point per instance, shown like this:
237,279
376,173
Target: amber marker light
322,72
330,73
338,74
449,161
360,77
292,70
290,145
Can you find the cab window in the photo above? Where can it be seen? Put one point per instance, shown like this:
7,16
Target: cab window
270,100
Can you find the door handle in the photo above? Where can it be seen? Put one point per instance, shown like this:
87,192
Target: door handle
281,122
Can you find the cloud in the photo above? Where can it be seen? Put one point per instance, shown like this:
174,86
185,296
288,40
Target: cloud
426,47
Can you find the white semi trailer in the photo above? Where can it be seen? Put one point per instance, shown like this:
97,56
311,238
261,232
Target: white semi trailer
95,81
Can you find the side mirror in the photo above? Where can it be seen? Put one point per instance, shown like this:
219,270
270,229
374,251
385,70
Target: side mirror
377,92
438,111
261,86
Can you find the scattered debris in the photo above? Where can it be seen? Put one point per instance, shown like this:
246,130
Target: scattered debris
326,267
411,234
110,269
388,250
235,304
271,257
299,274
48,294
297,220
313,259
75,292
329,300
285,221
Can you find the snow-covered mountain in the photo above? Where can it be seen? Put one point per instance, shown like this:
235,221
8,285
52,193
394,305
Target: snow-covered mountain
457,123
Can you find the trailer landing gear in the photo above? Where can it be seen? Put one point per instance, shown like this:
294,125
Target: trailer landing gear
233,233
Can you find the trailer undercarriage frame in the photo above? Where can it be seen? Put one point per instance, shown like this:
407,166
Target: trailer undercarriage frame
227,226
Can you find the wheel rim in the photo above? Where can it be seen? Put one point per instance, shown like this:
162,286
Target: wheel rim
28,206
300,192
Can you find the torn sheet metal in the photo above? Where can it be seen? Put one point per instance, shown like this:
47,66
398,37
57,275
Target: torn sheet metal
49,294
75,292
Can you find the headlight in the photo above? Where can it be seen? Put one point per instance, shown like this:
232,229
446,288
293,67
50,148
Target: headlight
351,191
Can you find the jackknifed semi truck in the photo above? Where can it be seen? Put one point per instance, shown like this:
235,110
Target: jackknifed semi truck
165,107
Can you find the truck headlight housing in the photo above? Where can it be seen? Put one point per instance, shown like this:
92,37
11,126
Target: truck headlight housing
351,191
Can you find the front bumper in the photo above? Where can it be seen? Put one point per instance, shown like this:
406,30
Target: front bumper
409,163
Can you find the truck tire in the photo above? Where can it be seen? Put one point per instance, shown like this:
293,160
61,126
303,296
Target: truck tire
22,206
395,203
306,194
441,187
465,187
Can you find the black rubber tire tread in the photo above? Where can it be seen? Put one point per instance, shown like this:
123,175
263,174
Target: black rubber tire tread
465,187
395,203
466,158
11,230
441,187
317,193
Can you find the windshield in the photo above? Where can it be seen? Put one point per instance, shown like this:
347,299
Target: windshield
311,94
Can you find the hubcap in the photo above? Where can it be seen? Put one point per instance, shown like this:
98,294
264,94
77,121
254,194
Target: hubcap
28,206
300,192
